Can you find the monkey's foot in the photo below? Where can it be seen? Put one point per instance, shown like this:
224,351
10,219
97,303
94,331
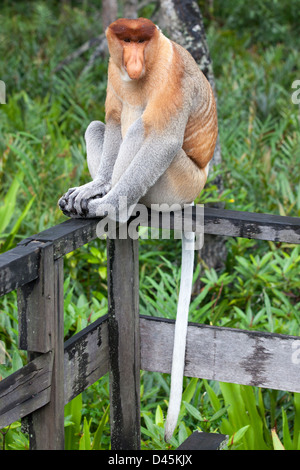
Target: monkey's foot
75,202
101,207
84,212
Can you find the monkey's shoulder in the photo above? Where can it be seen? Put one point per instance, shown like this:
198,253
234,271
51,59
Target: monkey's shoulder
192,78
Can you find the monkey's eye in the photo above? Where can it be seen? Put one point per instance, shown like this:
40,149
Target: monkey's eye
141,40
127,40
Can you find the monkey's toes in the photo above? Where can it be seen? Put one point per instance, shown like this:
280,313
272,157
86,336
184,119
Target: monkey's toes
62,203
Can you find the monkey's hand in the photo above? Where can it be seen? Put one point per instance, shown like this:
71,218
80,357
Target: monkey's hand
75,202
113,205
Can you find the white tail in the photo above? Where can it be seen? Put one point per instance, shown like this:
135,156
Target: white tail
178,360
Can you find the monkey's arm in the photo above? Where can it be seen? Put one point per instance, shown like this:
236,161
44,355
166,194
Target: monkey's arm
152,157
102,145
111,146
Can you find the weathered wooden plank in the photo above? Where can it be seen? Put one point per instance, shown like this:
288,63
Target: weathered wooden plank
26,390
67,236
124,343
74,233
251,225
86,358
46,425
231,223
35,306
224,354
204,441
230,355
18,266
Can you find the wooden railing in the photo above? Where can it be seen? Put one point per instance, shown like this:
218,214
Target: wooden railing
123,342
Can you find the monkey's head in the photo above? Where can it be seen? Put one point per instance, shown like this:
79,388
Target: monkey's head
128,43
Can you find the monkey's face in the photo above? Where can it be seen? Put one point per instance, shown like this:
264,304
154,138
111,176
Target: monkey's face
127,42
133,58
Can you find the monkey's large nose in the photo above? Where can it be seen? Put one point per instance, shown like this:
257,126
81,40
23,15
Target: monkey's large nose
134,62
134,70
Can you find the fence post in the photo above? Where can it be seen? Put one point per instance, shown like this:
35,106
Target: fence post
124,343
41,328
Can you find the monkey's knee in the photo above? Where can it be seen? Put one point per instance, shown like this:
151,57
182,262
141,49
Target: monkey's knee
95,132
94,138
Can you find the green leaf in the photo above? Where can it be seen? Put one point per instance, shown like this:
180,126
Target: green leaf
73,411
98,434
287,440
188,394
182,433
9,241
237,436
85,440
296,439
7,209
276,441
17,362
193,411
215,402
269,311
159,417
218,414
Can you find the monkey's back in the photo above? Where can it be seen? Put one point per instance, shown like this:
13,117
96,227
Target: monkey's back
202,127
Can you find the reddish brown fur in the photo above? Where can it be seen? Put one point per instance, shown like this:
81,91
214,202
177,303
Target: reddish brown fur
135,30
168,92
113,107
201,133
170,75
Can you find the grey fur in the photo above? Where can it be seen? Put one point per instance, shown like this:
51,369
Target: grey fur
127,168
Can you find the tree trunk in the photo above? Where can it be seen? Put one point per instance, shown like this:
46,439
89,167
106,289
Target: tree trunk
130,9
182,22
109,12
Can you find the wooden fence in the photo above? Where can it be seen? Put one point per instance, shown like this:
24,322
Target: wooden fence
123,342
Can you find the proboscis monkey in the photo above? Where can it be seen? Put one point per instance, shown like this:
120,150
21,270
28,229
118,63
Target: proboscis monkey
160,134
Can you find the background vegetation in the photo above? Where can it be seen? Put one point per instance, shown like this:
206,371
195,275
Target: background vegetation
255,52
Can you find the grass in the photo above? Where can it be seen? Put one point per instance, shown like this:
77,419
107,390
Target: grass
42,127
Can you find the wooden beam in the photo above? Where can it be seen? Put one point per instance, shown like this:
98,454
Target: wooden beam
124,343
19,266
224,354
74,233
251,225
26,390
231,223
35,305
204,441
67,236
46,424
86,358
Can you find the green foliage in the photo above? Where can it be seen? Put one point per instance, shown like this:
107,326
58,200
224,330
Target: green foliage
92,433
268,22
255,58
11,438
7,210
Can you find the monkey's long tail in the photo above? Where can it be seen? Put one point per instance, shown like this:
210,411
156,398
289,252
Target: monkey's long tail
178,360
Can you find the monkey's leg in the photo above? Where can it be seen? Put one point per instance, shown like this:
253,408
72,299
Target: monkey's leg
94,138
100,164
180,184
